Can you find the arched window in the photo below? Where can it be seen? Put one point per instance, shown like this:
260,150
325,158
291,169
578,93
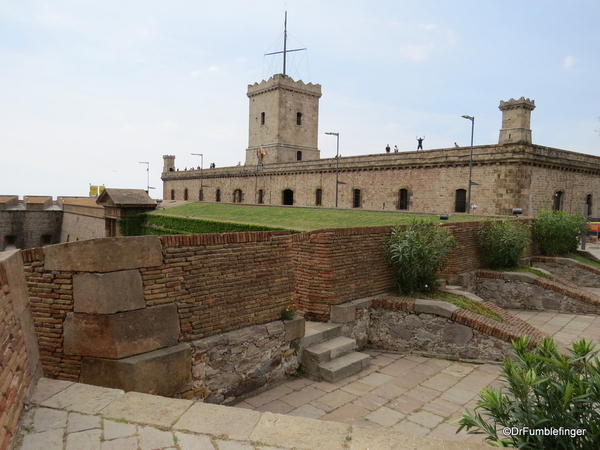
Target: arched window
185,194
298,155
237,196
403,199
218,195
319,197
356,198
588,202
288,197
460,200
299,118
558,201
261,196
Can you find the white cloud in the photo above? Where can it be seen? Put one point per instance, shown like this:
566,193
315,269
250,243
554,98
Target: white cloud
213,69
429,26
415,52
568,62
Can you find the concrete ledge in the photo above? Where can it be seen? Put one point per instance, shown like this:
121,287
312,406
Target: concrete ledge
108,293
104,255
121,335
165,372
294,328
443,309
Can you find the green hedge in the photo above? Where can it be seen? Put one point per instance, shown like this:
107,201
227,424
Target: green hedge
155,224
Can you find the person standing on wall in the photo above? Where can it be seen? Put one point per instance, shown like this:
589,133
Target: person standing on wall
387,148
395,149
420,142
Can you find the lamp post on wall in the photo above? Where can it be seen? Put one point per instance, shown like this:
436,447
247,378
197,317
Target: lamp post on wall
472,119
337,165
148,176
201,155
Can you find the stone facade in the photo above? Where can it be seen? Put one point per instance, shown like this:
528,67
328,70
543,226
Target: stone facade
283,120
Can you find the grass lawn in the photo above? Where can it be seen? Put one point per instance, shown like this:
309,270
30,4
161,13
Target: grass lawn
298,218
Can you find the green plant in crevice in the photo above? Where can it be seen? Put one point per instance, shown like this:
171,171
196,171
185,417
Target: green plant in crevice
418,252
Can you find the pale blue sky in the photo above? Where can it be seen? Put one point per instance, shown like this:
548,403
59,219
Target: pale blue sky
91,88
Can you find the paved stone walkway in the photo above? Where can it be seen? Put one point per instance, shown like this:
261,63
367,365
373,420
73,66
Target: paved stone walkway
410,393
414,399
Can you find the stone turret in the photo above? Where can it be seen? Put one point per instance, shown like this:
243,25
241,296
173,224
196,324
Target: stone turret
516,121
284,120
168,163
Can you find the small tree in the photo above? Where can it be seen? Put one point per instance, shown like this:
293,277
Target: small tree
503,242
418,252
548,397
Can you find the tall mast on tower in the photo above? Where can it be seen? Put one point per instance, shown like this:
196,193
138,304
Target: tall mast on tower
285,50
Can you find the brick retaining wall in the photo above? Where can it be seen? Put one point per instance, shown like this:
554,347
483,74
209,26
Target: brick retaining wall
19,357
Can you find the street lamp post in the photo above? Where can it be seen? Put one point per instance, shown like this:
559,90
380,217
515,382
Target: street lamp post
201,155
472,119
148,176
337,165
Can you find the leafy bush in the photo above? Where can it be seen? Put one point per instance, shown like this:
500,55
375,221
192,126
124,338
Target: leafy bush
418,252
503,243
545,390
558,232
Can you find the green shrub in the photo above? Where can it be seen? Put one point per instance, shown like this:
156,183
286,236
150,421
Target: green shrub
545,390
417,253
503,243
558,232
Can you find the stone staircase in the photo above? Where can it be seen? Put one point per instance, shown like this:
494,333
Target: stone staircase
329,356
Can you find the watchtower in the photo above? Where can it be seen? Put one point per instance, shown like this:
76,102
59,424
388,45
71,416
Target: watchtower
168,163
516,121
284,120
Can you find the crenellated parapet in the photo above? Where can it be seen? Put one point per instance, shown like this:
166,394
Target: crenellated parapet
516,121
281,81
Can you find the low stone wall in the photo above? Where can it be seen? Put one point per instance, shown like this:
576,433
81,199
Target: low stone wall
20,366
431,328
513,290
569,269
235,363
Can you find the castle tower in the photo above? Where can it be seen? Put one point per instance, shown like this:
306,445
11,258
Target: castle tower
516,121
168,163
284,120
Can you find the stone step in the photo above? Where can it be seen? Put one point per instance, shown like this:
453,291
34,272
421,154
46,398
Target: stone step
344,366
331,349
317,332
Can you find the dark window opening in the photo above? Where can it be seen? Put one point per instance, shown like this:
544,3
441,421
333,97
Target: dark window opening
298,155
288,197
172,194
185,194
588,202
218,195
356,198
460,200
200,195
558,199
46,239
237,196
261,195
262,118
10,241
319,197
299,118
403,199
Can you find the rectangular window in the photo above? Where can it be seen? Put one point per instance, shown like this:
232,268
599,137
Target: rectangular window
356,198
319,197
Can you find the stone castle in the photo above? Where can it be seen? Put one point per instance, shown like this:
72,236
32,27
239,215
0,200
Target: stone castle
283,166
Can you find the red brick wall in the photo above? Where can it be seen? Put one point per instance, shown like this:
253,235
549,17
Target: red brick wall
224,282
18,353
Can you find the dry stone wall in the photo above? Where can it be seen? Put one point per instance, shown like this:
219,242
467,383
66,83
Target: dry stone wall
569,269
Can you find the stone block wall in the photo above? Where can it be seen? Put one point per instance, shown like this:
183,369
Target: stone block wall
79,226
570,269
30,228
527,291
19,357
